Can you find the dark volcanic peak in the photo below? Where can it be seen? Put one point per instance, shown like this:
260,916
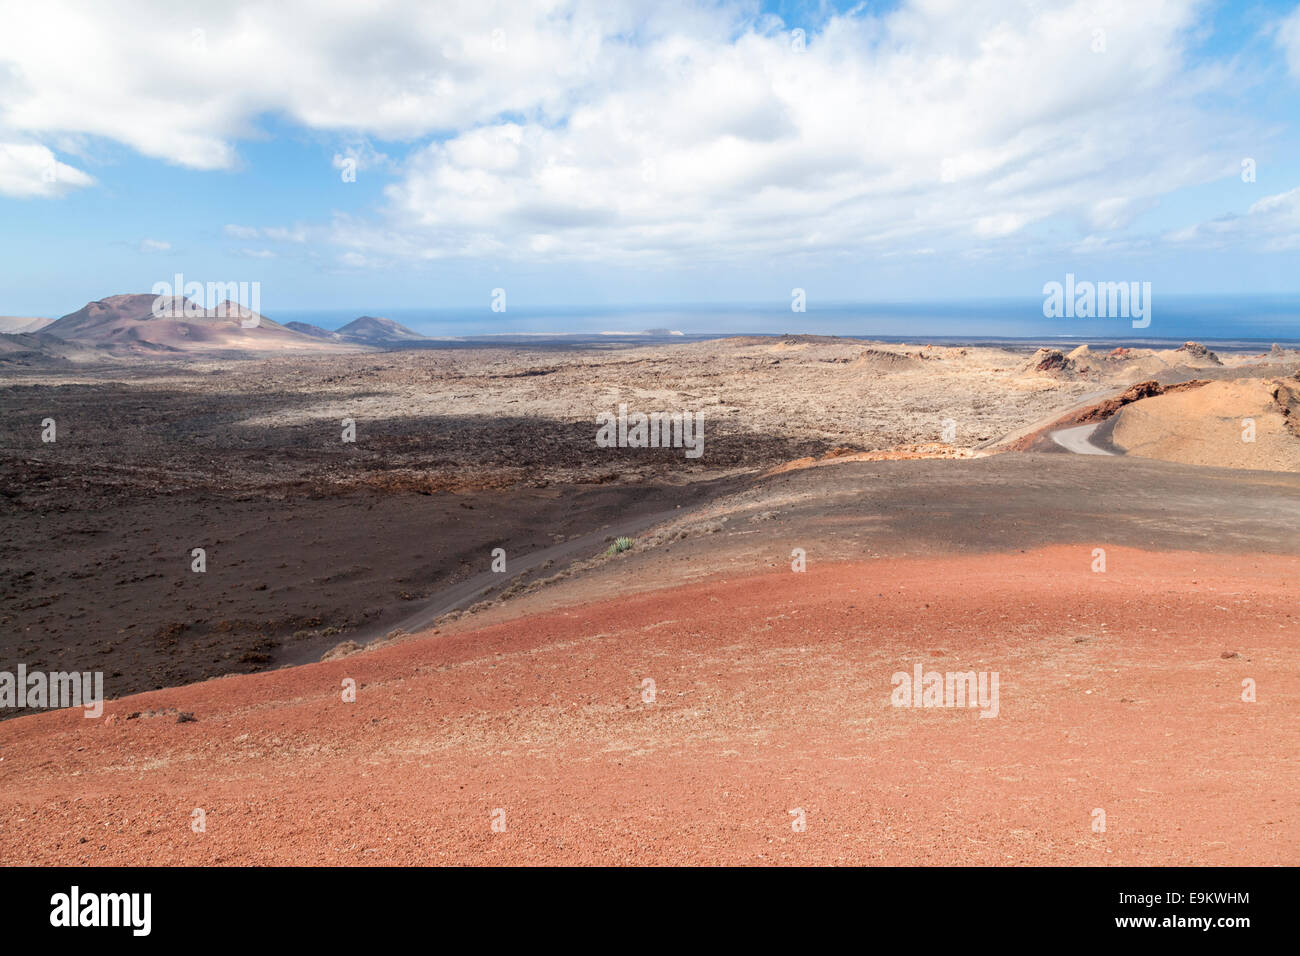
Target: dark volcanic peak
371,330
315,331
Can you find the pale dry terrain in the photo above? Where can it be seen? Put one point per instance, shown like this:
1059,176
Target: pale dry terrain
1240,424
796,390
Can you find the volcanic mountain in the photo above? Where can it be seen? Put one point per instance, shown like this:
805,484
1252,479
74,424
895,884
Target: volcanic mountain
371,330
315,331
28,348
17,325
131,323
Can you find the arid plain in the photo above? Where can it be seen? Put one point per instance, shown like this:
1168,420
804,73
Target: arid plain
717,691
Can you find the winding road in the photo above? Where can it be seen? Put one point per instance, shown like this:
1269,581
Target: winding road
1078,440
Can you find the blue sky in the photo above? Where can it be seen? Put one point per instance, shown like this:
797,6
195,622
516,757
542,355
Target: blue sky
636,153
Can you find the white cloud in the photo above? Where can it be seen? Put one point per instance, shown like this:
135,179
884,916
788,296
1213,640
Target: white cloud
359,156
297,233
645,131
183,83
1273,222
155,245
942,121
283,234
32,171
1092,245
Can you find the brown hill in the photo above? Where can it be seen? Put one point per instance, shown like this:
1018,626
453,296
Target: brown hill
131,323
372,330
315,331
1249,423
1194,354
1052,362
1118,365
886,360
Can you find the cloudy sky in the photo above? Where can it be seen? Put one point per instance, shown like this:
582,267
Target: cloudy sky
417,154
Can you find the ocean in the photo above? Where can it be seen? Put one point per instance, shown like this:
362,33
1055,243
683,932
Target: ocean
1241,323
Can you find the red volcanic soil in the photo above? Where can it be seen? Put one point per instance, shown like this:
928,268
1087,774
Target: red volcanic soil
1119,691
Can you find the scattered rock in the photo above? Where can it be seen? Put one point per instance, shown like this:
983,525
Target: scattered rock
1199,352
1048,360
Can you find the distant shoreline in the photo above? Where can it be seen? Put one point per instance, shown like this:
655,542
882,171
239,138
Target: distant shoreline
1015,343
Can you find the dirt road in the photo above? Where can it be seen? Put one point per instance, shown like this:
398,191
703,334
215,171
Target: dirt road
1077,439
